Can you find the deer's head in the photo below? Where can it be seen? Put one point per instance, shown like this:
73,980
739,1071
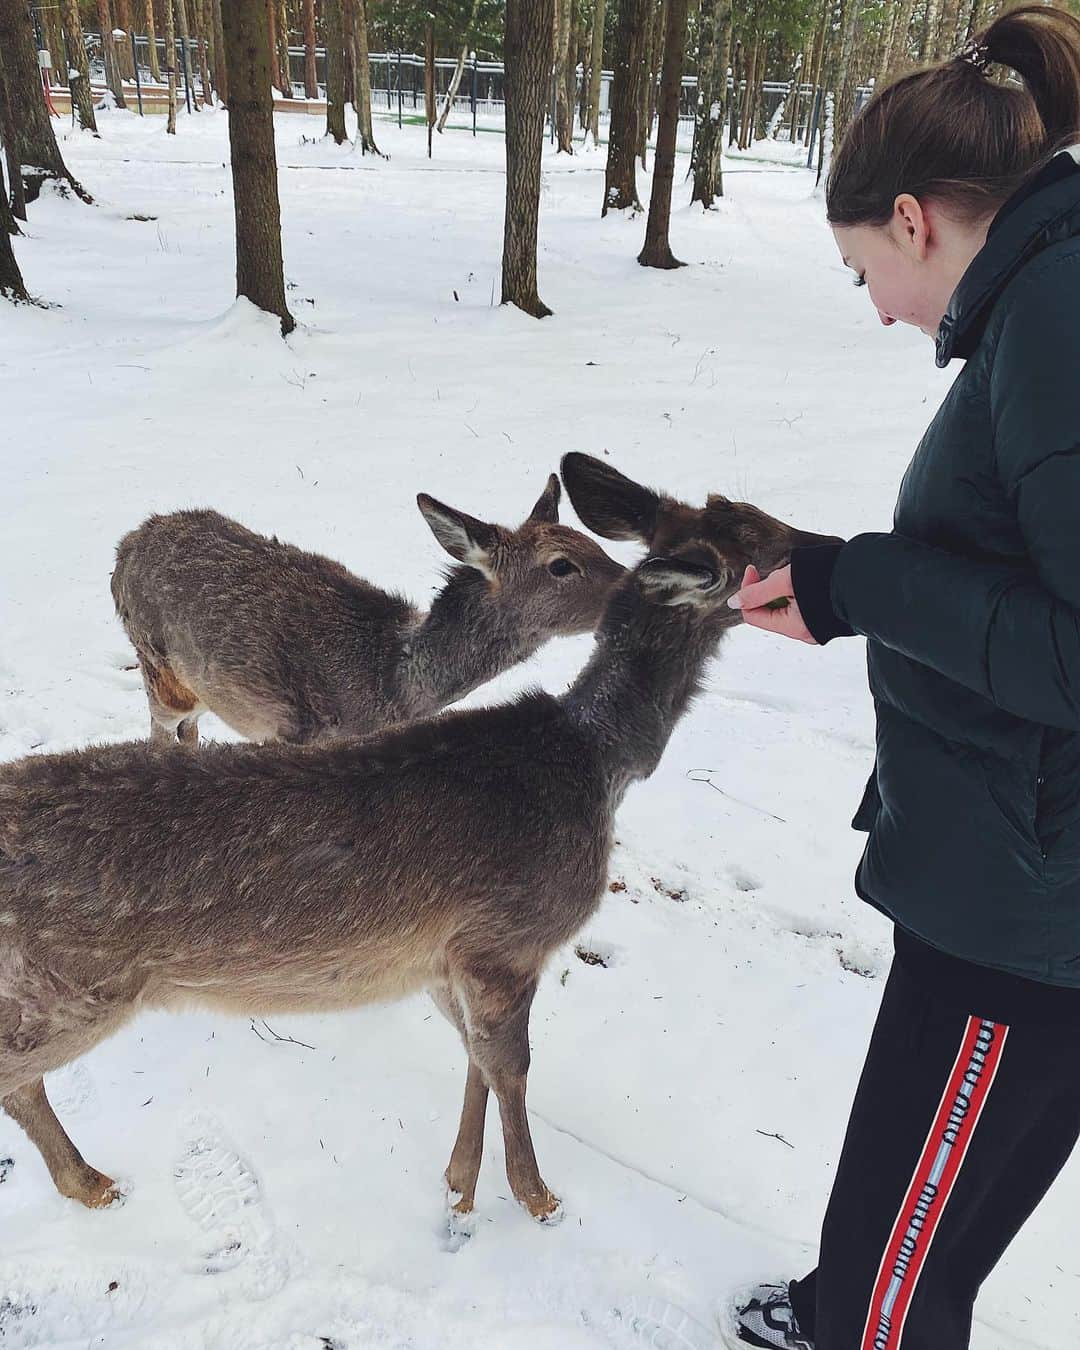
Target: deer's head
554,577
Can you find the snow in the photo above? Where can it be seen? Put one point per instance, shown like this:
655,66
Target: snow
688,1096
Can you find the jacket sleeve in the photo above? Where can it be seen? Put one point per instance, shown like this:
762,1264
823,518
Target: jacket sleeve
1011,634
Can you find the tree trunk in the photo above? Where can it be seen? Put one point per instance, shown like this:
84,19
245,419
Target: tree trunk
657,251
108,44
528,58
282,26
455,85
170,64
653,61
714,30
81,94
271,24
848,75
947,25
564,117
11,282
151,43
620,181
816,62
929,30
259,271
16,208
34,139
596,70
429,81
221,75
54,40
898,57
185,50
123,51
311,75
365,129
202,28
976,18
334,39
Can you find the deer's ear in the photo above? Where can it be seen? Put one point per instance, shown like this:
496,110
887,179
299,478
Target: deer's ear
669,581
470,541
609,503
547,508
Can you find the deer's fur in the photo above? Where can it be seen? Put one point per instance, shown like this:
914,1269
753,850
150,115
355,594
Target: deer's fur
455,855
287,645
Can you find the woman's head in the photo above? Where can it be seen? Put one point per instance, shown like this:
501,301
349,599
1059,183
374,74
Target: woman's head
922,170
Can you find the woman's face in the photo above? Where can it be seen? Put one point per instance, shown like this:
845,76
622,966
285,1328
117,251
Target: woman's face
913,263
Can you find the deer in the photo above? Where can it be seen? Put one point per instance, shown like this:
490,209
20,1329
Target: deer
285,645
454,855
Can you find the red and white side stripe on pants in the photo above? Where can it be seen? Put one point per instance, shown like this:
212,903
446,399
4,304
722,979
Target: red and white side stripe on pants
933,1181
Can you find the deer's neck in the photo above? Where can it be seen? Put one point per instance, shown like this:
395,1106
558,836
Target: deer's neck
648,665
466,638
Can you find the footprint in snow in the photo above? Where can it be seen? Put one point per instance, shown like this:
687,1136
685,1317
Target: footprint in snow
220,1191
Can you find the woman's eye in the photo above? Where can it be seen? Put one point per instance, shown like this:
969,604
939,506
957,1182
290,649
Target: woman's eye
860,280
562,567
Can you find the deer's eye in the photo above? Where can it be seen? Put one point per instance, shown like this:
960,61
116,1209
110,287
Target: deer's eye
562,567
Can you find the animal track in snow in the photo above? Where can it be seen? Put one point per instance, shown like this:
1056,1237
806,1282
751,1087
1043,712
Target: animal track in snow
221,1193
72,1092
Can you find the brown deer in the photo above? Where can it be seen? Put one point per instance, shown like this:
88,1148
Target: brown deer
287,645
455,855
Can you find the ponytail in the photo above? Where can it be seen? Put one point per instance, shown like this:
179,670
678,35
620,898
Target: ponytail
955,134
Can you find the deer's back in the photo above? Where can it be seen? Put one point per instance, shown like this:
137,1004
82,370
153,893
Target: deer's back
236,615
371,864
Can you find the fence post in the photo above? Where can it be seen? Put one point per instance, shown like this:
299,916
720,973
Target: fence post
135,67
813,126
473,93
400,94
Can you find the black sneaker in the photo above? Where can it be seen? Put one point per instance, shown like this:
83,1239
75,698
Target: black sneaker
767,1319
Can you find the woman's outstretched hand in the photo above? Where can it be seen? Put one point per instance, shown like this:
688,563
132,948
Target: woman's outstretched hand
770,604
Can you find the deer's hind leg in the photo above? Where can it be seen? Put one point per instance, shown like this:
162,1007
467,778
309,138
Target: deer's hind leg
174,708
497,1005
72,1175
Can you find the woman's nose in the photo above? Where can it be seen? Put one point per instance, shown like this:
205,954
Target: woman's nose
886,319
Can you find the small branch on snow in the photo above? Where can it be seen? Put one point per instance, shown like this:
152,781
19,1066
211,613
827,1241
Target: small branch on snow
767,1135
738,800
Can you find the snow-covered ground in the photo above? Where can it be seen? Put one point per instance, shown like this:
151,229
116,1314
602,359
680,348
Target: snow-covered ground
688,1098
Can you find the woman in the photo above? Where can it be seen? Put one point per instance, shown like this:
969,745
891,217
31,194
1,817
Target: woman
949,202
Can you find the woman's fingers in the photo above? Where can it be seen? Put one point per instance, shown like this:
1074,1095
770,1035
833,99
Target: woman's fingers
756,593
770,605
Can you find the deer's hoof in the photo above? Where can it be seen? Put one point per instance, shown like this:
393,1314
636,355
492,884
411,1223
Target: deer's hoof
546,1208
101,1192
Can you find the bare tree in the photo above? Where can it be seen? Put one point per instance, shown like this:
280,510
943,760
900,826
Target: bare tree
596,69
528,57
281,26
429,80
151,42
311,76
184,27
54,40
204,46
657,250
564,114
221,77
123,46
620,181
35,143
170,64
365,128
108,47
714,50
848,75
334,41
78,75
459,69
260,272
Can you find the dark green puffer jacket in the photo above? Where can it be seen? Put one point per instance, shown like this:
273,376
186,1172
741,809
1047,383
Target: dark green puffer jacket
972,610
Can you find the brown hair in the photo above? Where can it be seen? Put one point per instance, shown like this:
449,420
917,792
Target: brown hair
954,134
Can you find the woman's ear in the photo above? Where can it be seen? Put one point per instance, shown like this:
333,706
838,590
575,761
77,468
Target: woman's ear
911,226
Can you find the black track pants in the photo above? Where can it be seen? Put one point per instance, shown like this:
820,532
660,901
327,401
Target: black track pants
959,1126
